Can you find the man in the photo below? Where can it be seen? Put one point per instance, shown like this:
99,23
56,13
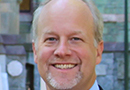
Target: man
68,44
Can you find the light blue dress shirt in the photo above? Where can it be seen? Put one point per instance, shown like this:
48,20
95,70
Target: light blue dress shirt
95,86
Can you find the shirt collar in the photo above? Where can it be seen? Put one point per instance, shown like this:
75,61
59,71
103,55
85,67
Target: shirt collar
95,86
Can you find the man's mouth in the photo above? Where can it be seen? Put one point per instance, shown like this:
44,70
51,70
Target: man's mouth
64,66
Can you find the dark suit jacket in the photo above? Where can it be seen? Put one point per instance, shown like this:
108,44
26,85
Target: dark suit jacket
100,87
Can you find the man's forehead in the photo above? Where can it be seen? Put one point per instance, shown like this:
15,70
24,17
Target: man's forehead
65,3
65,6
49,31
62,12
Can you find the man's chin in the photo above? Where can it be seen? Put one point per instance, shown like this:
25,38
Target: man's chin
64,83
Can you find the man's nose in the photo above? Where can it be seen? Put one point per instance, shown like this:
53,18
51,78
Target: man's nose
62,50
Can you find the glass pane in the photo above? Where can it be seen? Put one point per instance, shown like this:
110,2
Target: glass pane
25,5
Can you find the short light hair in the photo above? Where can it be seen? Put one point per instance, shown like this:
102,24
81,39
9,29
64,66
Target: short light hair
97,18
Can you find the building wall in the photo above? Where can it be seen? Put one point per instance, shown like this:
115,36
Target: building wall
9,16
113,56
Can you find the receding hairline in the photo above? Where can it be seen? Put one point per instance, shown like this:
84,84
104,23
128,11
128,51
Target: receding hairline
82,10
53,5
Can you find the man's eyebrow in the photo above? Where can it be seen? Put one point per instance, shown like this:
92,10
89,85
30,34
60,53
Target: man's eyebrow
79,32
48,32
76,32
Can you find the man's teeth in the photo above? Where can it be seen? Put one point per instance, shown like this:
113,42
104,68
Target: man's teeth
64,66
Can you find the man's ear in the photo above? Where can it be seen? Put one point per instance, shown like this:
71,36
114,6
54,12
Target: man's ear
34,52
100,48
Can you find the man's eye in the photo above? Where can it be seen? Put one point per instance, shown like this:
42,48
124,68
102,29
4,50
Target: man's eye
51,39
76,38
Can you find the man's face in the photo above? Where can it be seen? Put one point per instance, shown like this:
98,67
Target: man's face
66,55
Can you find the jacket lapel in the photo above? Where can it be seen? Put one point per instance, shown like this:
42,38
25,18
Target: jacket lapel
100,87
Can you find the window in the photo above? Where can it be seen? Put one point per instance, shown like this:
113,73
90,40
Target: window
25,6
29,76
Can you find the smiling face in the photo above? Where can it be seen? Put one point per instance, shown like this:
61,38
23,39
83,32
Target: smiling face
66,55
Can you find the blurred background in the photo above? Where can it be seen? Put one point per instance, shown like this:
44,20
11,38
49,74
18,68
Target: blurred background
17,68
